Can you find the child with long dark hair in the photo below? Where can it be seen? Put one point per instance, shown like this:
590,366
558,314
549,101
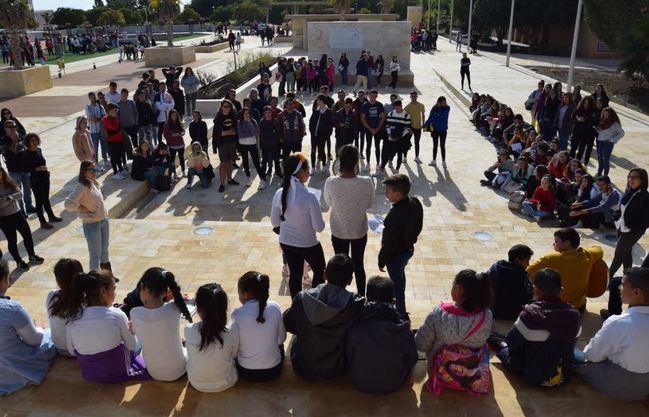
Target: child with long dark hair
212,346
174,133
438,124
296,212
156,324
57,302
261,330
98,333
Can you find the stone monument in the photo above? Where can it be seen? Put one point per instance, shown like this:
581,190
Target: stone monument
414,14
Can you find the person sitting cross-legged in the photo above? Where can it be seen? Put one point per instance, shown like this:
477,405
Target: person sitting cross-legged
617,363
510,284
540,346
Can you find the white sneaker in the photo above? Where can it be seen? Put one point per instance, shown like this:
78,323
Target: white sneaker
262,185
433,163
313,171
323,169
378,172
249,182
118,176
417,160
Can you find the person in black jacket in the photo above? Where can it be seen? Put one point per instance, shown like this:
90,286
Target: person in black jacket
380,350
270,136
401,228
320,318
541,344
172,74
198,130
145,117
511,286
631,221
346,125
321,125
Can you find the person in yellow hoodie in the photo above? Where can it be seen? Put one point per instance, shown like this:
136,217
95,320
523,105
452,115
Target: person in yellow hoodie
573,263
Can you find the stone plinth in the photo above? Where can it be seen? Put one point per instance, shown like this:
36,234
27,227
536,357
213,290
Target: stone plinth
379,37
414,15
165,56
299,23
25,81
206,49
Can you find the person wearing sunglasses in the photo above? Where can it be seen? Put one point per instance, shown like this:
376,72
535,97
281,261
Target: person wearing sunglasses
5,114
13,150
88,201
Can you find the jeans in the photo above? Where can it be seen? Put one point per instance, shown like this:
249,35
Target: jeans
17,223
96,235
268,156
290,81
604,152
343,76
563,139
98,138
529,209
23,180
614,296
318,144
295,258
393,83
202,176
190,102
397,272
357,255
439,136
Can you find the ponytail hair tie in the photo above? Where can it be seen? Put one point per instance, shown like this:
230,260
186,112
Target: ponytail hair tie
164,273
258,277
298,167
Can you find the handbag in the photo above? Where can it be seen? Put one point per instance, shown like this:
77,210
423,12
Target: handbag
516,200
529,103
163,181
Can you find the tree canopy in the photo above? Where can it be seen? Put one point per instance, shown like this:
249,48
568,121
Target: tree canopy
111,18
611,20
64,15
248,10
188,14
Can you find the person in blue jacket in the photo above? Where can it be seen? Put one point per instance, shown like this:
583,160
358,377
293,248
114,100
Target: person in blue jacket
437,123
25,350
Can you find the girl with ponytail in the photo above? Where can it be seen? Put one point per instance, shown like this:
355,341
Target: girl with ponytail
58,302
156,324
212,346
98,333
296,212
261,330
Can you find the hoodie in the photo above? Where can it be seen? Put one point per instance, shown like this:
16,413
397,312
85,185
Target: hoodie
512,289
541,343
319,319
380,350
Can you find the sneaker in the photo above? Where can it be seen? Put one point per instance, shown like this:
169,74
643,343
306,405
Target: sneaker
36,259
55,219
485,183
221,188
262,185
118,177
444,164
174,176
23,265
604,314
417,160
313,171
323,168
248,181
232,182
433,163
46,226
378,172
188,187
390,165
153,191
538,219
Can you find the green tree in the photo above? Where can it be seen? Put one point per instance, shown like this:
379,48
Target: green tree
121,4
188,14
221,14
633,48
99,3
167,12
493,14
342,7
15,16
248,10
609,20
65,15
132,16
206,7
111,18
93,14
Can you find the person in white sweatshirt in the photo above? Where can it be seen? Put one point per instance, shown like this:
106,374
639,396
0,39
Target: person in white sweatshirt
609,132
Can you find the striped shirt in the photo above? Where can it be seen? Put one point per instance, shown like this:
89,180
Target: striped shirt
397,124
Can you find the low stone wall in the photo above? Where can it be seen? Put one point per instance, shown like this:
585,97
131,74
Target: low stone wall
206,49
25,81
164,56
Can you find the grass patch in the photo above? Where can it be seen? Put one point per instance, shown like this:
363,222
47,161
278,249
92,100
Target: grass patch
70,57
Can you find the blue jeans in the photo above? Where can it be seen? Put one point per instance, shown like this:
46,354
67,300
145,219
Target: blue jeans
96,235
563,139
96,139
397,271
205,182
531,211
604,152
343,76
23,179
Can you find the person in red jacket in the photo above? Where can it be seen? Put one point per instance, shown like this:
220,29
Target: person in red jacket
542,203
115,139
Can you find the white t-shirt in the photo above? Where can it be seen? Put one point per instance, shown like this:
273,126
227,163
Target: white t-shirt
349,199
57,327
259,342
303,216
113,97
99,329
157,330
212,369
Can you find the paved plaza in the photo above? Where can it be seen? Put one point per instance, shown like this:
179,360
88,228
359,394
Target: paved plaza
157,230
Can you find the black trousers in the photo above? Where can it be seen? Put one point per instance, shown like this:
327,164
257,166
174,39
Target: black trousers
262,375
41,189
359,141
624,251
268,157
132,132
357,255
466,74
377,146
318,144
17,223
161,127
439,136
585,146
116,151
181,156
417,135
392,149
290,147
614,296
254,155
295,258
393,82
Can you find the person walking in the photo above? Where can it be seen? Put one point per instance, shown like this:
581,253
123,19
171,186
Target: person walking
12,220
438,124
465,63
417,112
349,197
36,165
88,201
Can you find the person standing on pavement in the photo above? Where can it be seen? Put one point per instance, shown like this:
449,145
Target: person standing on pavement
465,63
190,84
35,163
362,72
395,67
163,103
13,150
145,118
373,119
172,74
343,67
128,116
179,98
112,96
82,142
438,125
115,139
417,112
95,113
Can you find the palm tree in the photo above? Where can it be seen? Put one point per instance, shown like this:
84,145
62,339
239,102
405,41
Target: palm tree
342,7
14,16
167,12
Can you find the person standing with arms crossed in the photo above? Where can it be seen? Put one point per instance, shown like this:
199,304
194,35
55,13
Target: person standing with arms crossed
465,63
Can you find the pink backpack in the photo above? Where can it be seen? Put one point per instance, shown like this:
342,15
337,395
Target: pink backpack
460,368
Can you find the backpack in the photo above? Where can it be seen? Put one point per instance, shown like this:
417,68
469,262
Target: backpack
516,200
461,368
